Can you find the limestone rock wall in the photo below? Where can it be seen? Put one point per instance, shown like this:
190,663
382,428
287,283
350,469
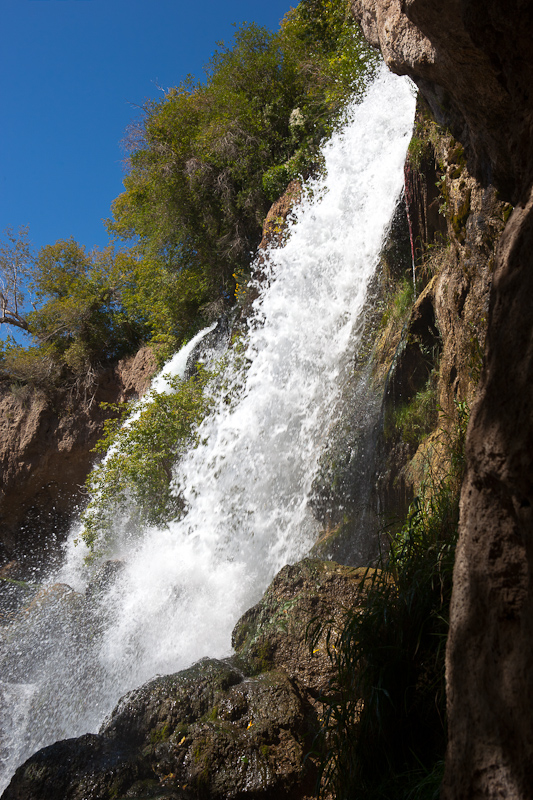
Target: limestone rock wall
472,61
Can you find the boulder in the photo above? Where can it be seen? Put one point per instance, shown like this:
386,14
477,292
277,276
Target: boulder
230,729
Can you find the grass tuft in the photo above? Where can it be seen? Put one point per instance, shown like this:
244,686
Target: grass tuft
384,722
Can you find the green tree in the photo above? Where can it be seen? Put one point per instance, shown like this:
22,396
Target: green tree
207,160
205,163
81,313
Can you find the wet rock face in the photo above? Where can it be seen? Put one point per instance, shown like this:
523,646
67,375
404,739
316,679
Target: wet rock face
234,728
275,633
490,649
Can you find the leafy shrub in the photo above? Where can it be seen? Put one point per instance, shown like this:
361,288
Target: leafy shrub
133,483
35,365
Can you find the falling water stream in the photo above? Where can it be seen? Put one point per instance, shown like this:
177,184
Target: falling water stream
247,484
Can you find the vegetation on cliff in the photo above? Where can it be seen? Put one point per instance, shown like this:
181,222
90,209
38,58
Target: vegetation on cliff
204,165
134,482
384,730
385,725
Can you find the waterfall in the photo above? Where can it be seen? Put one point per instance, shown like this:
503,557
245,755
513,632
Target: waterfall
178,591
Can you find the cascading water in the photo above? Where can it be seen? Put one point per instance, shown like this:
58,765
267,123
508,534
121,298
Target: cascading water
247,484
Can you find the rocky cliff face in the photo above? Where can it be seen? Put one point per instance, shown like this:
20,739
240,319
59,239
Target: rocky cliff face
474,315
45,455
472,62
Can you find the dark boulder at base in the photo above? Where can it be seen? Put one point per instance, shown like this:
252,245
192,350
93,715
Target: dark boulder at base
231,729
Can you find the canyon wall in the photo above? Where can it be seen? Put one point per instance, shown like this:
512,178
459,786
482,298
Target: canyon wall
472,63
46,441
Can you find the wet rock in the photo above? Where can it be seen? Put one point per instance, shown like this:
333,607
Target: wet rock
103,579
170,703
230,729
472,62
277,632
50,610
88,768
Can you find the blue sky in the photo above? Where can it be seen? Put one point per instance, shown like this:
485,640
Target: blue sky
71,74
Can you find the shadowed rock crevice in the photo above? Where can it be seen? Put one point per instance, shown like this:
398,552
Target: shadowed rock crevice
472,62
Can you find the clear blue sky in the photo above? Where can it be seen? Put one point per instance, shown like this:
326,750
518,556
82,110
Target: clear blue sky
70,71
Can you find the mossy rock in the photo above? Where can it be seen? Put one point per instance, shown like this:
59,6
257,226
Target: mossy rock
227,729
163,707
276,633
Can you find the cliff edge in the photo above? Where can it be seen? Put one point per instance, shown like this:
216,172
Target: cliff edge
472,62
46,441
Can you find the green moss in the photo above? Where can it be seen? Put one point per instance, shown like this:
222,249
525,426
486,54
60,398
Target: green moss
419,150
459,219
413,421
400,302
160,734
507,211
21,584
262,657
457,161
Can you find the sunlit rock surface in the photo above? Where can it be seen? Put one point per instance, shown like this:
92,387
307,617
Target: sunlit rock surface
46,440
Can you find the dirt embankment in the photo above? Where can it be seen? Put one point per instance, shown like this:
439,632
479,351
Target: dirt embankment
46,441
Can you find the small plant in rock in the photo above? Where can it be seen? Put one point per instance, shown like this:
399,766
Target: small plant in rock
417,418
400,302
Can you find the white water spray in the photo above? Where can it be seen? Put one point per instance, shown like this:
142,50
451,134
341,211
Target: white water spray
247,484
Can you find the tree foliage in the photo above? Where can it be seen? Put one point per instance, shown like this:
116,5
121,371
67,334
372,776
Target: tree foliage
205,163
208,159
80,315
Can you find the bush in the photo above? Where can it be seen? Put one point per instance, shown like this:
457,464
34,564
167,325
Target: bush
132,486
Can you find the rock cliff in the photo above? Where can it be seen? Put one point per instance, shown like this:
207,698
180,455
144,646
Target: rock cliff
472,62
466,337
45,454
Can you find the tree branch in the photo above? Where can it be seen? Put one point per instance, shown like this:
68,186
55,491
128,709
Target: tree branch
14,319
